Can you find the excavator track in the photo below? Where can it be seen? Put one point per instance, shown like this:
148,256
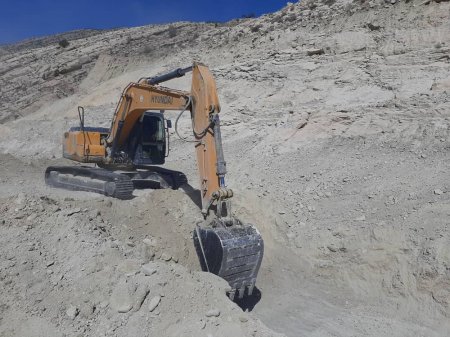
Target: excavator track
231,252
89,179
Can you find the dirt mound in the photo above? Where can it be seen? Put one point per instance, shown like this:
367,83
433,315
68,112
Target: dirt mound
91,267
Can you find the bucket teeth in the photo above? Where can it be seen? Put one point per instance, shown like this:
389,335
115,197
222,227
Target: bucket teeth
233,253
250,289
241,292
231,294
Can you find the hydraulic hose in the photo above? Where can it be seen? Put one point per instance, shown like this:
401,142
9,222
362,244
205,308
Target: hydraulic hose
178,118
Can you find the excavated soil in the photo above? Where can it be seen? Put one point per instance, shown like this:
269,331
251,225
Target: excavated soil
336,120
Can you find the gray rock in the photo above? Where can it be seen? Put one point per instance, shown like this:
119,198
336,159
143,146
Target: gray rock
332,248
121,300
148,269
139,296
21,199
86,310
148,242
71,211
19,216
301,124
166,257
69,68
438,191
154,302
48,74
441,85
103,304
311,208
32,217
315,51
291,235
373,26
72,312
213,313
55,208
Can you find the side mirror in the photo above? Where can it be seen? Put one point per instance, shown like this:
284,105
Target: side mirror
169,123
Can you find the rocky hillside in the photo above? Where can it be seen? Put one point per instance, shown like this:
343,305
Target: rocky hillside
36,71
336,134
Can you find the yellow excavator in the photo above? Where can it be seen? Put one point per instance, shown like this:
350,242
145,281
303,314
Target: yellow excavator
126,154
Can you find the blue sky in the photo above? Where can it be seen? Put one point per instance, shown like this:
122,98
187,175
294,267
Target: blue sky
24,19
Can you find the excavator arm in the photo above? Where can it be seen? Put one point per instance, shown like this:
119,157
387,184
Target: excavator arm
206,128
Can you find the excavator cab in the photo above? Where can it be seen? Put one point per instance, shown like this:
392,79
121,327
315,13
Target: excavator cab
150,139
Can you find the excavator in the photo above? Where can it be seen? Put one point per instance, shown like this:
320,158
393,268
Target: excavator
128,155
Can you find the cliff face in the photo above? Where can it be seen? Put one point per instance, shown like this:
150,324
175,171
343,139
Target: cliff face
336,134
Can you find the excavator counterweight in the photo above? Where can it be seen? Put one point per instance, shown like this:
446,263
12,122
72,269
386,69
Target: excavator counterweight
128,154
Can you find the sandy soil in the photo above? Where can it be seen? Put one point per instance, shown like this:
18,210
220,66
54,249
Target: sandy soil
336,134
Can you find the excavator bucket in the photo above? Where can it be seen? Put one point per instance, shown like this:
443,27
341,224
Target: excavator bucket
233,253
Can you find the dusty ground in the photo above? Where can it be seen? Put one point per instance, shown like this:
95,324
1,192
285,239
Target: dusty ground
336,131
